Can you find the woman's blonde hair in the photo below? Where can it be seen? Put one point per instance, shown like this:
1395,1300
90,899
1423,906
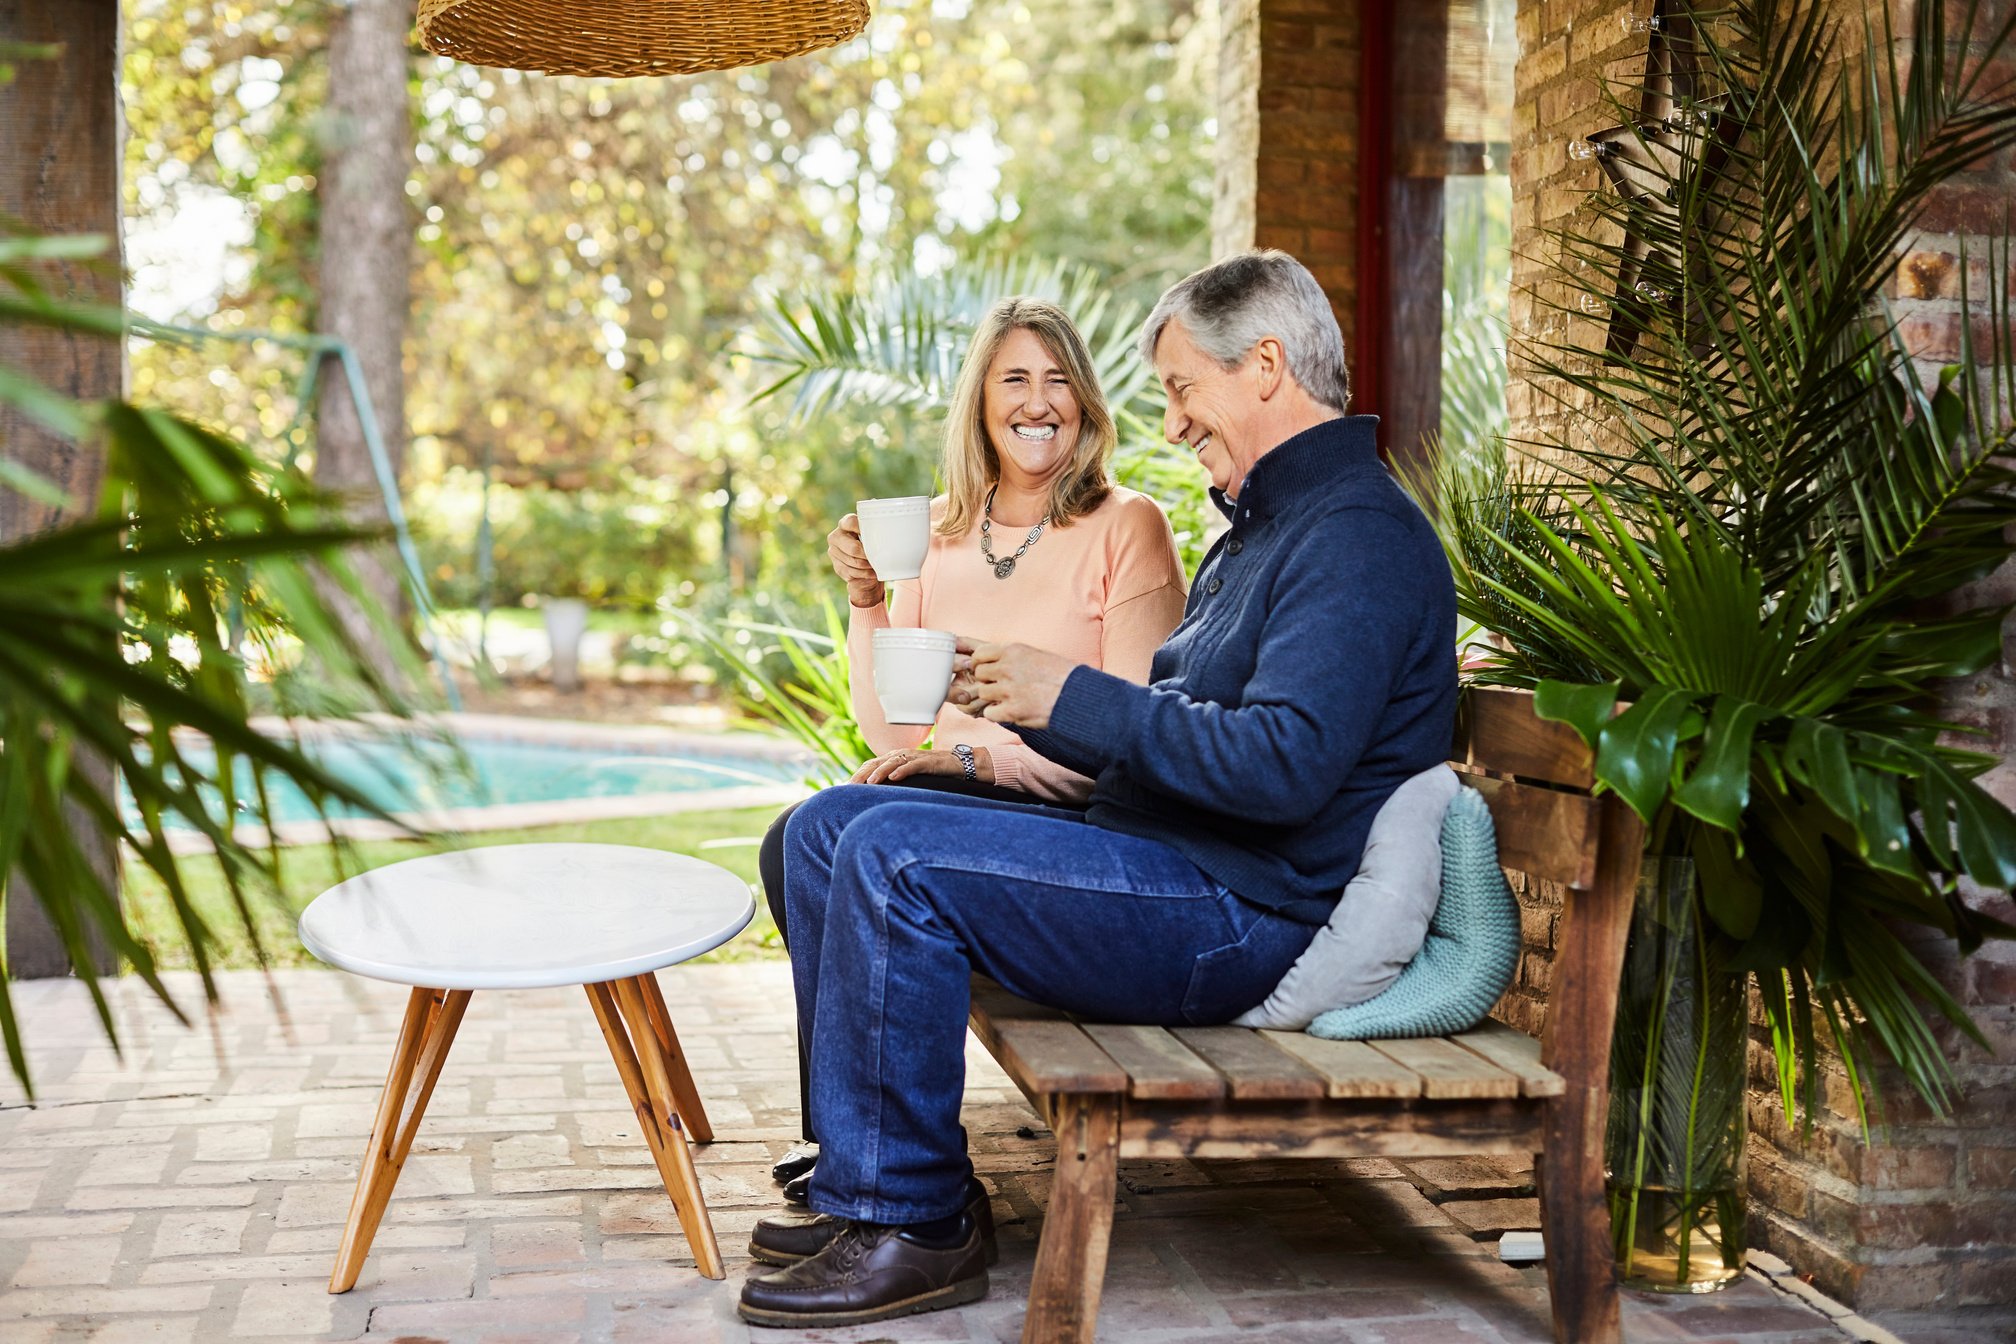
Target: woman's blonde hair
971,466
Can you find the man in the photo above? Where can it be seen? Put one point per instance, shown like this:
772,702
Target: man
1313,672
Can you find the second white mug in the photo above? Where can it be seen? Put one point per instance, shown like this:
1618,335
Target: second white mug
913,671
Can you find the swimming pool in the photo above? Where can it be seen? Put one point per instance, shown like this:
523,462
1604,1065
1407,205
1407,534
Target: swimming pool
480,772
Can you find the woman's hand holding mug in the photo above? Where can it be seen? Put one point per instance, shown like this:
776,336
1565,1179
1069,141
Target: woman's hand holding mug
850,562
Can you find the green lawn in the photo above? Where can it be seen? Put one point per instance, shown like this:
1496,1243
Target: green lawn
308,870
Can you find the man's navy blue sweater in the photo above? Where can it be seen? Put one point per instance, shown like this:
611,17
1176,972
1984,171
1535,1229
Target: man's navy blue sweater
1313,672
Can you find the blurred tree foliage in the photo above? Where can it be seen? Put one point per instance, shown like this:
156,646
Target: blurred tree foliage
588,249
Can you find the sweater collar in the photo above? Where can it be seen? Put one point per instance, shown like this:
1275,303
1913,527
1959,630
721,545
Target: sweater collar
1294,471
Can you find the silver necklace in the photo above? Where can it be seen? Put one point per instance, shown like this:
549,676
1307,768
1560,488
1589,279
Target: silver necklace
1005,566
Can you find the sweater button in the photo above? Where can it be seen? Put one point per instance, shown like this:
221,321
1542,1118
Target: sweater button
1234,546
1214,585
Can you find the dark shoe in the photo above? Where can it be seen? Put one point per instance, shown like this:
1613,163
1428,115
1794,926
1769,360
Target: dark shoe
798,1189
796,1162
787,1238
868,1272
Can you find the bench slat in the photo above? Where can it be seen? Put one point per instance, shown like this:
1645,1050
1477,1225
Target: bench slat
1517,1053
1542,832
1038,1046
1351,1068
1252,1065
1157,1064
1448,1070
1056,1057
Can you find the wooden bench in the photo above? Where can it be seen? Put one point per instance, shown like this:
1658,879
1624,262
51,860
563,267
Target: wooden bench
1112,1091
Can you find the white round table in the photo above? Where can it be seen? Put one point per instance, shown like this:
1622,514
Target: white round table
525,917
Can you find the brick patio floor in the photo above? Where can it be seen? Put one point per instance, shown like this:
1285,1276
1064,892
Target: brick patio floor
196,1193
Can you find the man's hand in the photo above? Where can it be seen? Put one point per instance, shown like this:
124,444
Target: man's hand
1015,683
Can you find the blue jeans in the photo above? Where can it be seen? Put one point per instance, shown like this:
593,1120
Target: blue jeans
895,901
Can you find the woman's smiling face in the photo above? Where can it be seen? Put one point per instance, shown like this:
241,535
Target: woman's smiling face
1031,413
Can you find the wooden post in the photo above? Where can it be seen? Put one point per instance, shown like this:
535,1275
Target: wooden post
1581,1268
59,174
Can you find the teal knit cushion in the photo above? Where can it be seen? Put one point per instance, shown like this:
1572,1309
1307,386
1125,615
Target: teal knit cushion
1471,949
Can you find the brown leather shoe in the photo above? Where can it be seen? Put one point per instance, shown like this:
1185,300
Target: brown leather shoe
868,1272
787,1238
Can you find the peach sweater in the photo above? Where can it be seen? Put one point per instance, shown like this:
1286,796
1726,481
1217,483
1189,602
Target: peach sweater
1105,591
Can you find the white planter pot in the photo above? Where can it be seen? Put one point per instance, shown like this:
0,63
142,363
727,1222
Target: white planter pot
566,622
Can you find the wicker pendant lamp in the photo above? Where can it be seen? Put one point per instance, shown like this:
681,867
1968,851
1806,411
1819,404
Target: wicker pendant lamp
634,37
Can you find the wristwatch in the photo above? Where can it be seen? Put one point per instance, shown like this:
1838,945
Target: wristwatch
966,761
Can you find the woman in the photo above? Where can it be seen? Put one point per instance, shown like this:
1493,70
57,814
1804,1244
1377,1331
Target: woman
1032,543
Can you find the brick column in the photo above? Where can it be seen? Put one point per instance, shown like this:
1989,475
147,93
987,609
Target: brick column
1288,137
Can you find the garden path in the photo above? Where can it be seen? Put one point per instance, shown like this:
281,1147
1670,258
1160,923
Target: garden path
196,1193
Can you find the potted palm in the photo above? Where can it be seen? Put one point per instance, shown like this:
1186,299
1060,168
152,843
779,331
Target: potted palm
1755,531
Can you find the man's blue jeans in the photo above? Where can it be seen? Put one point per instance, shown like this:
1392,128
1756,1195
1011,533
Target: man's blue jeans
895,900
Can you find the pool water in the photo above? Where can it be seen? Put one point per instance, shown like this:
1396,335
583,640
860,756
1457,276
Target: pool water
407,776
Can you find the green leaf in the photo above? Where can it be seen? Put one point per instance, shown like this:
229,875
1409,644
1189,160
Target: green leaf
1986,831
1730,888
32,484
1953,648
1584,708
1634,754
1880,827
62,247
54,411
1780,936
1816,754
1718,788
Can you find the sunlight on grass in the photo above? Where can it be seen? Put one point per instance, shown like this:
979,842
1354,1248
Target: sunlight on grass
725,838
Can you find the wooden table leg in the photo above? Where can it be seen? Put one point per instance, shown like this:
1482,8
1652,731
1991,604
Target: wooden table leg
1071,1258
684,1094
620,1011
432,1015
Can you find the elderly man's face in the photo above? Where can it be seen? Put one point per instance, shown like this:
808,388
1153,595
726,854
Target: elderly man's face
1208,406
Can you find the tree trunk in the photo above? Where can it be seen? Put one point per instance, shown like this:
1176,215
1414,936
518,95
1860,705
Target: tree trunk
366,243
59,174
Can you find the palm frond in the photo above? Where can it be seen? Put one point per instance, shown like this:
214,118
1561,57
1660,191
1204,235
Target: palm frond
897,340
116,644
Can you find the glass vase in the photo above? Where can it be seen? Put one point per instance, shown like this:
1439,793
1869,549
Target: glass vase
1677,1085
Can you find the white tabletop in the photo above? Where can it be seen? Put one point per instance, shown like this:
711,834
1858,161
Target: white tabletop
526,916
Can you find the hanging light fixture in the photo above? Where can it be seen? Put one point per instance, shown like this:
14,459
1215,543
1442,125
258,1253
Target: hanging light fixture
634,37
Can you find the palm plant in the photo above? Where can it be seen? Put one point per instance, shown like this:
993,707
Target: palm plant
1753,528
1758,545
894,343
808,699
120,652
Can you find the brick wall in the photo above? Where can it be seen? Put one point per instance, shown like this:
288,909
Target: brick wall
1921,1217
1288,136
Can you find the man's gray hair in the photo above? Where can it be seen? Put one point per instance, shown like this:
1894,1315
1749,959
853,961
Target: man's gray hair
1228,306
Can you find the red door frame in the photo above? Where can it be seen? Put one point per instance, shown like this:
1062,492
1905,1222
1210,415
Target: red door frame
1375,153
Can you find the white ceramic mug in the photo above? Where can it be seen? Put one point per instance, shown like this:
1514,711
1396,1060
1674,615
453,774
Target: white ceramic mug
896,533
913,671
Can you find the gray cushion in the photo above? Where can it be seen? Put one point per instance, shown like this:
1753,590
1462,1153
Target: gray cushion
1379,923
